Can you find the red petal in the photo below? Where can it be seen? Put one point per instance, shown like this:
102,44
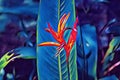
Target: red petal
54,34
73,35
47,29
71,39
65,20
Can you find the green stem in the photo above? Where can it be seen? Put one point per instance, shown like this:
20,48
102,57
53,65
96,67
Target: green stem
59,65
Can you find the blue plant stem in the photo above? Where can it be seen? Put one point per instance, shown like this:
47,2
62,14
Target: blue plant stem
83,53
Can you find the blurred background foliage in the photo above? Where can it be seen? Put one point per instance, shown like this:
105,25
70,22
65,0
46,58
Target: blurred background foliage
18,19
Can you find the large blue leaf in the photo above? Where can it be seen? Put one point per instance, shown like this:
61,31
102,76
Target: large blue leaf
56,68
87,52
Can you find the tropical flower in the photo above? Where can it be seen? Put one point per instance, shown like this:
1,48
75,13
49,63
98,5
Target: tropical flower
58,36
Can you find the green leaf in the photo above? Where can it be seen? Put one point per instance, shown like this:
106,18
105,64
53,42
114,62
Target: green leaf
22,52
7,58
109,55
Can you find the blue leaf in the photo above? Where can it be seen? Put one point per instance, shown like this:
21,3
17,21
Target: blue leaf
113,30
112,77
31,10
87,52
26,52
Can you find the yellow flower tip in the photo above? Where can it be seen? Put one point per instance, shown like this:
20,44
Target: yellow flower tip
60,22
64,22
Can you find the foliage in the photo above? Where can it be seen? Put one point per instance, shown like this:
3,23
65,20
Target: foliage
69,52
